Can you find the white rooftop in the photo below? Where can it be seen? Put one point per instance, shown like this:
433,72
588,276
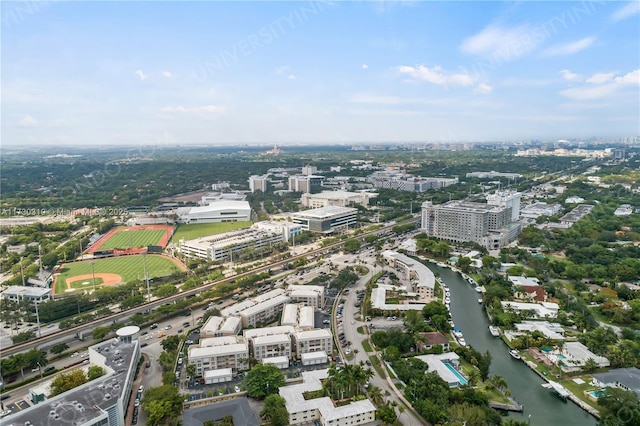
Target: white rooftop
266,331
524,281
311,381
326,212
221,372
436,362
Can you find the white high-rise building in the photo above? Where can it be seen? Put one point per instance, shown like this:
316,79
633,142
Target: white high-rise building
258,183
508,199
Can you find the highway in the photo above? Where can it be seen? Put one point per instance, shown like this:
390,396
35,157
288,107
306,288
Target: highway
118,317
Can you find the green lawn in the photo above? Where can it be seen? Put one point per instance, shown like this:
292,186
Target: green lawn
133,238
197,230
128,267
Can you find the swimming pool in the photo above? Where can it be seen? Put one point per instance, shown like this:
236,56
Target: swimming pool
459,376
560,356
597,393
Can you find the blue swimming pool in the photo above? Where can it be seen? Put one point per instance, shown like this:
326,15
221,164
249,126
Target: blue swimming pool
459,376
597,393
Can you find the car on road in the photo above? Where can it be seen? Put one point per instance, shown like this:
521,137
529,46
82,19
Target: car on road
326,321
148,364
35,369
236,388
49,368
168,327
153,326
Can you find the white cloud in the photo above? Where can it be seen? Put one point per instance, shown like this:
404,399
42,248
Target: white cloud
626,11
502,44
565,49
365,66
140,74
205,109
437,75
167,74
292,77
570,76
600,78
483,88
602,87
631,78
27,121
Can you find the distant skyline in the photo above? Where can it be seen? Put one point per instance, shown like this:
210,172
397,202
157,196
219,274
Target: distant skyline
129,73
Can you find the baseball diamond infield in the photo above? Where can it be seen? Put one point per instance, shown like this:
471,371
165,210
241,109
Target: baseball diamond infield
78,281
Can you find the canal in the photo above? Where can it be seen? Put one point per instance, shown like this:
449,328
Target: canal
541,406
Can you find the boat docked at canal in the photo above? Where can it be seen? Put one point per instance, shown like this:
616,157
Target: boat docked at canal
495,331
514,354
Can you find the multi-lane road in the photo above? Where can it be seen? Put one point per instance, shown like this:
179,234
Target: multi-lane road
120,317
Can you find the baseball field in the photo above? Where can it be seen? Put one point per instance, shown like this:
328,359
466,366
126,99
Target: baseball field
113,270
133,237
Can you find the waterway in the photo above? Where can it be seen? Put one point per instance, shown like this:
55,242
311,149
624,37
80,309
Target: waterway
543,406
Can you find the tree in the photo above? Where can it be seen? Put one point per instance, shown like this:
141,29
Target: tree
94,372
67,381
163,405
590,365
351,245
101,332
23,337
263,380
464,263
165,290
59,348
387,414
275,412
170,343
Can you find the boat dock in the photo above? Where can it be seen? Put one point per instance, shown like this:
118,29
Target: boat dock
557,388
507,407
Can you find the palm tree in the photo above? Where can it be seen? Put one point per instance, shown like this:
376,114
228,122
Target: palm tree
376,396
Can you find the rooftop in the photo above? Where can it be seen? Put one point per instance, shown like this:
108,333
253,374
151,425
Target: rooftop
326,212
89,401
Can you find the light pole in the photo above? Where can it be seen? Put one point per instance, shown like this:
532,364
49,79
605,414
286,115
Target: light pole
146,277
35,302
22,271
93,273
40,369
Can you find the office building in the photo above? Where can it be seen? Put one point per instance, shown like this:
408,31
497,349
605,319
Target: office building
258,183
462,221
309,295
303,183
18,293
100,402
322,410
325,220
219,353
259,309
336,198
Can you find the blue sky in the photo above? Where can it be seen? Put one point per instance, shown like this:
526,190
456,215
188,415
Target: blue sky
86,73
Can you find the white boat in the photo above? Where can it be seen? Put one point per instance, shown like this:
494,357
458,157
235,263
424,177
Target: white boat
442,265
480,301
471,281
447,300
514,354
462,342
495,331
478,289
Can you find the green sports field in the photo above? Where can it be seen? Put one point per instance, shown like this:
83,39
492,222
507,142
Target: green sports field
133,238
128,267
197,230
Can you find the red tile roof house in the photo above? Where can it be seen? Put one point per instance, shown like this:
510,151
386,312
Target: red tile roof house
429,340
